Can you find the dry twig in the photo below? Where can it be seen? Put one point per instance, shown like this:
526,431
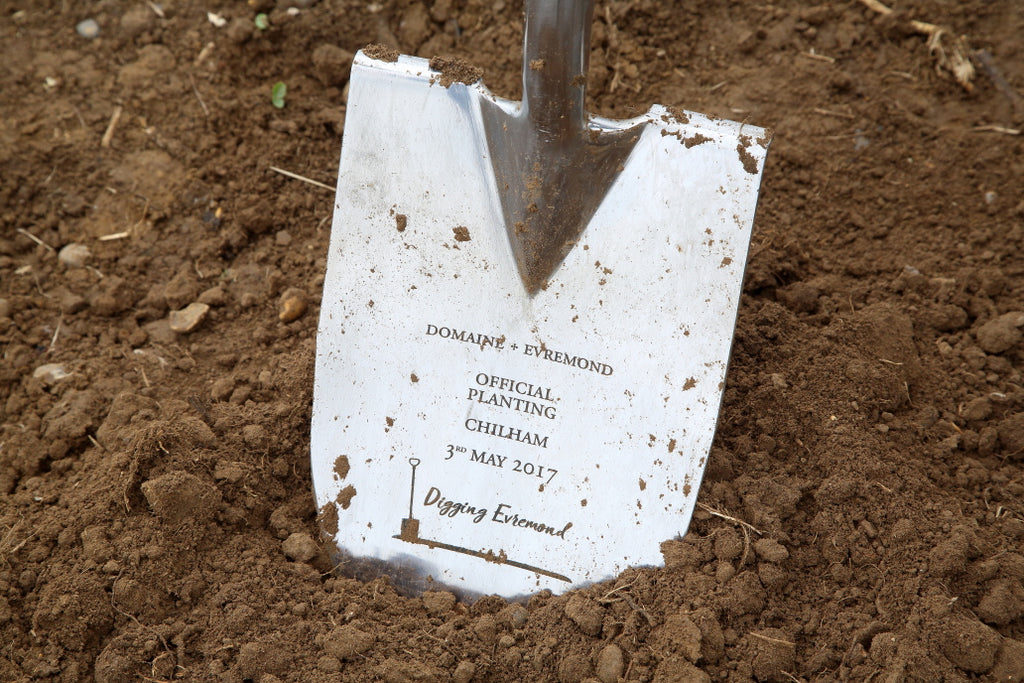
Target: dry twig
35,239
746,525
108,134
304,179
951,52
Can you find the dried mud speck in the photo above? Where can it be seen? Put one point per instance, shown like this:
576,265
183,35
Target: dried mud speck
746,158
456,71
345,496
341,466
381,53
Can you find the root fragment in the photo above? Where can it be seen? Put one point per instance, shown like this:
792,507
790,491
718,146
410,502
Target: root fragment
951,52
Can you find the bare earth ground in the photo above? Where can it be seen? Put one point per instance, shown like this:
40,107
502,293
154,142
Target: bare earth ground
863,513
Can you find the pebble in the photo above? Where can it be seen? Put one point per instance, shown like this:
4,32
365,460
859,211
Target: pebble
189,318
51,373
74,255
88,28
293,305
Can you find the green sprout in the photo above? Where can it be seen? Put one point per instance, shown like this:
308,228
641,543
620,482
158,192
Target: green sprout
261,21
277,94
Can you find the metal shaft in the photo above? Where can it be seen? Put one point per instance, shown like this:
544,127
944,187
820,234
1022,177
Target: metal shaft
556,54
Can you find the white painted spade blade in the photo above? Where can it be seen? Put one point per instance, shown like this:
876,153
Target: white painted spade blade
468,435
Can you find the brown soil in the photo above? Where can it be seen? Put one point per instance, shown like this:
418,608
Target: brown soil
863,513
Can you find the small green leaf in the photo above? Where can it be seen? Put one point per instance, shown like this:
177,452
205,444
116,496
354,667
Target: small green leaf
262,22
277,94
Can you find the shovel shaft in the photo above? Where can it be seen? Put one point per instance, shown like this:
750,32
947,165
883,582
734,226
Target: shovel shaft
556,53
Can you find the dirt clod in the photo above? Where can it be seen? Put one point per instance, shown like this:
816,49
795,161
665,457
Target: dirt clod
586,614
300,547
346,642
179,496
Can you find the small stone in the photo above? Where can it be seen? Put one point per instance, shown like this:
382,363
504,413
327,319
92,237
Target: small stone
300,547
189,318
50,373
611,663
293,305
74,255
88,28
